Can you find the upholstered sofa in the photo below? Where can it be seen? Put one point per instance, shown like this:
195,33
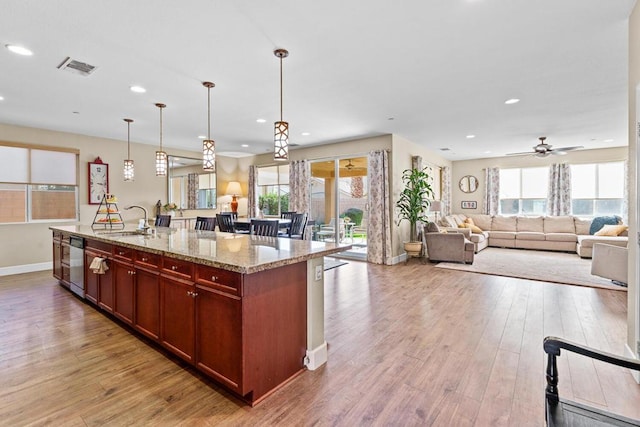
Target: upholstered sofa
552,233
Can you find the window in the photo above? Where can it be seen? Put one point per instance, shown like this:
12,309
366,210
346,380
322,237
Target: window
37,184
524,191
597,189
273,189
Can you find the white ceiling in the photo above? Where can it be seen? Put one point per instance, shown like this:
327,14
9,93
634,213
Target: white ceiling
441,69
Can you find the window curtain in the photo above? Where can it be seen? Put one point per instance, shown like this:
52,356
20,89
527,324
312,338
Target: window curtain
192,191
379,230
252,202
559,194
299,186
445,196
491,204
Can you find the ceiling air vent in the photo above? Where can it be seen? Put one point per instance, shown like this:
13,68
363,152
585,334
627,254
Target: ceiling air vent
445,149
76,67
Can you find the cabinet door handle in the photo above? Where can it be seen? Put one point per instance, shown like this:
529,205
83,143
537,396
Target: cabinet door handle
144,259
214,278
174,267
121,253
194,294
133,272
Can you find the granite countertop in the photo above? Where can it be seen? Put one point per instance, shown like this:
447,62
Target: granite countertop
241,253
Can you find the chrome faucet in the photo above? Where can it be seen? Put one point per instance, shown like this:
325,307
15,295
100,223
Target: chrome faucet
146,216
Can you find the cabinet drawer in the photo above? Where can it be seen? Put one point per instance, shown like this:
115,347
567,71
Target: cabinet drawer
98,246
147,259
227,281
123,253
178,268
66,253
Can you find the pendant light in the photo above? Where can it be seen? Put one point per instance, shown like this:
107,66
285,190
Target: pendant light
209,145
161,156
128,163
281,128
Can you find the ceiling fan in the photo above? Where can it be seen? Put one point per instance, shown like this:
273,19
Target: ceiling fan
543,149
350,166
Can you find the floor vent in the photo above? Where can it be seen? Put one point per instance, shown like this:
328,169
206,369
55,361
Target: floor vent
76,67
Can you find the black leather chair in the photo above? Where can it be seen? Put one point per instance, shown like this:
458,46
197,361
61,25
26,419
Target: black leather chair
264,227
297,226
205,223
287,214
163,221
225,223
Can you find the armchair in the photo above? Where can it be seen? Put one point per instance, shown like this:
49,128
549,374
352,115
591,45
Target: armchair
451,247
610,262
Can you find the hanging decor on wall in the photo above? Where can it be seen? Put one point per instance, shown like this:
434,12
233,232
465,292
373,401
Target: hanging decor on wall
281,128
161,156
128,163
209,145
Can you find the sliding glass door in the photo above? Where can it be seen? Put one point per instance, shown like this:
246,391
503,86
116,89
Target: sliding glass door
339,202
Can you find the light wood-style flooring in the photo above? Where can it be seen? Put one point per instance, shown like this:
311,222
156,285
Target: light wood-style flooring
408,345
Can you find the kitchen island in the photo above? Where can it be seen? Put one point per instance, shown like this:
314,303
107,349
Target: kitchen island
248,311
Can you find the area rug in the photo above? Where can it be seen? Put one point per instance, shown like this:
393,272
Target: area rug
330,263
545,266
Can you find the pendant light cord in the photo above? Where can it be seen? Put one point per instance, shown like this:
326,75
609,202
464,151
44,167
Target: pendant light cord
128,140
160,128
209,113
281,89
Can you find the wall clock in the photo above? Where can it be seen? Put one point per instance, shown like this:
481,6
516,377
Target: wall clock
98,181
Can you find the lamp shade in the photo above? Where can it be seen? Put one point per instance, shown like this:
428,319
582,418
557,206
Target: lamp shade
234,189
435,206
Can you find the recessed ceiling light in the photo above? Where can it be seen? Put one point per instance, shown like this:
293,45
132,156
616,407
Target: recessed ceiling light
202,137
606,140
19,50
512,101
470,136
487,152
137,89
305,134
1,98
261,121
245,145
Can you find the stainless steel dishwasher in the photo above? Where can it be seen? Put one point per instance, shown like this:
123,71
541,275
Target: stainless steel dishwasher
76,265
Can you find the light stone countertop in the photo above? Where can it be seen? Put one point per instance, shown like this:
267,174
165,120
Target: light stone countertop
241,253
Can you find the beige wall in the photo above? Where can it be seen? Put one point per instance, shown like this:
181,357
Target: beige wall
25,245
476,168
634,85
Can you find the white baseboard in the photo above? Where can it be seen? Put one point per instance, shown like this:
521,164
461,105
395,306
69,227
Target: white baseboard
27,268
630,354
316,357
398,259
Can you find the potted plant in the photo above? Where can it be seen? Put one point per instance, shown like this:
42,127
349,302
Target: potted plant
413,205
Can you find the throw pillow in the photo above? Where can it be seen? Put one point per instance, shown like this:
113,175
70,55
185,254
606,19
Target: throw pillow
599,221
473,228
432,227
611,230
469,221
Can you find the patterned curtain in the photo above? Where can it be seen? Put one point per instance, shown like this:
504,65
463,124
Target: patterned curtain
299,186
491,202
445,197
252,202
379,232
192,191
559,195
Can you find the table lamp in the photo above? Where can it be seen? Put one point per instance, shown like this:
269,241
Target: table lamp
435,206
234,190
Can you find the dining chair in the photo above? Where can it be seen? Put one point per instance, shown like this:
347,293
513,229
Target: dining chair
297,226
225,223
264,227
287,214
205,223
163,221
233,215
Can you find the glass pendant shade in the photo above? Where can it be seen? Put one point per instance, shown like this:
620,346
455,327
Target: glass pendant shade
128,170
161,163
208,145
281,141
161,156
209,155
128,163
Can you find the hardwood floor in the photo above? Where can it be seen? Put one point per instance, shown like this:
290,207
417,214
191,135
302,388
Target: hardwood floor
408,345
